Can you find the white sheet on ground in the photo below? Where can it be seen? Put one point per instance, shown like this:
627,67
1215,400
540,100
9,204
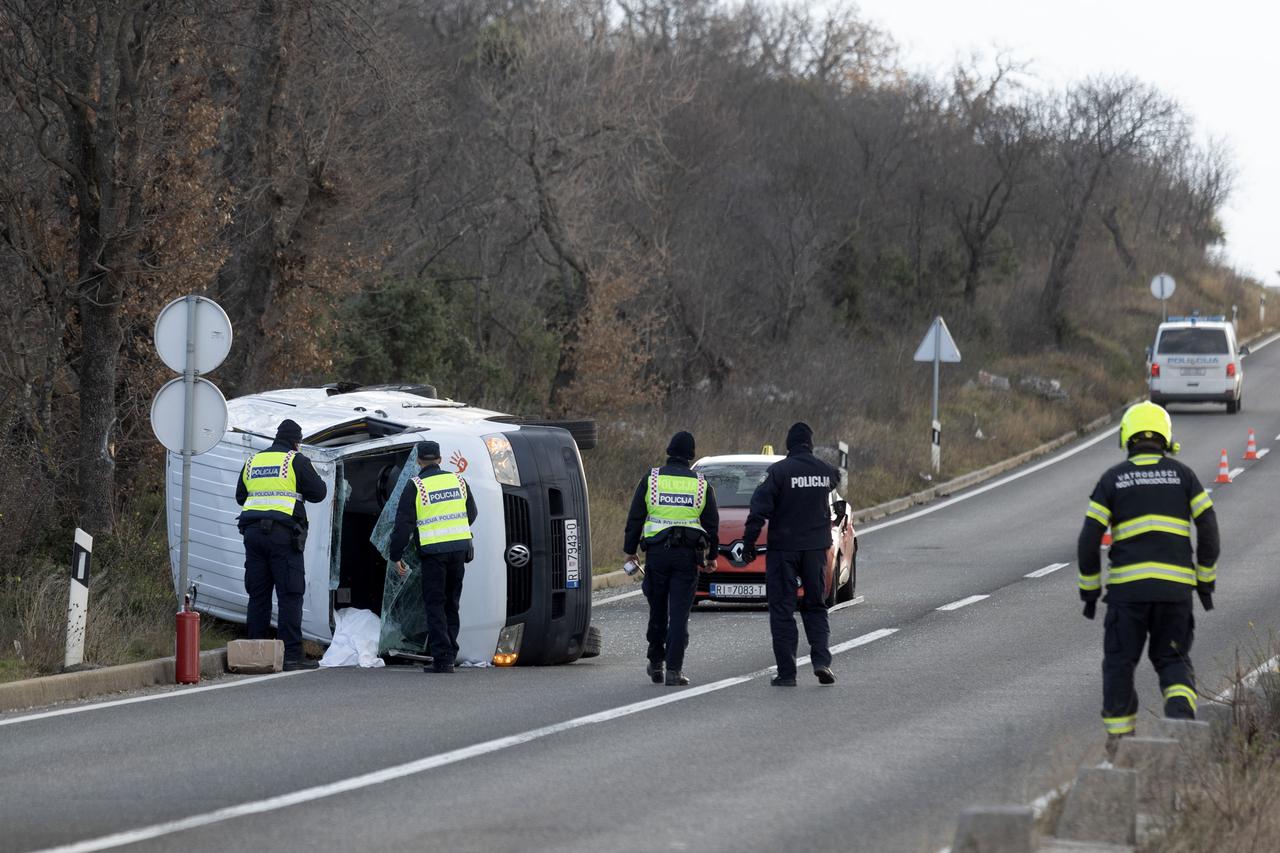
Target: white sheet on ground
355,639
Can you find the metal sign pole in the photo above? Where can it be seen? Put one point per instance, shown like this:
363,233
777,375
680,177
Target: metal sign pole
188,442
935,438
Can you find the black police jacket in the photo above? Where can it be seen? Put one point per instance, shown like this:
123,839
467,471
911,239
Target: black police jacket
709,518
795,499
310,486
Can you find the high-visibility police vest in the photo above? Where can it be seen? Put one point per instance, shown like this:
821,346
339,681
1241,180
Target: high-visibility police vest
674,500
441,506
271,482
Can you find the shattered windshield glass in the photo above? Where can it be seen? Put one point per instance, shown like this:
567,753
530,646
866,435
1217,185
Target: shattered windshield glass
404,621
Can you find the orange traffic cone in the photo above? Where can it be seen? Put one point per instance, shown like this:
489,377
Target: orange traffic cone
1224,472
1106,538
1251,449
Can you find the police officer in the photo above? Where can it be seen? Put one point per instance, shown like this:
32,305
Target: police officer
674,519
1150,503
440,507
272,488
793,498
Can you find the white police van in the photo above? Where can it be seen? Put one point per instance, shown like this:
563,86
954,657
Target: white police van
1197,360
527,593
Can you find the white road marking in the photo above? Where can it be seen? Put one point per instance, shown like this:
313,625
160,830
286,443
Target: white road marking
842,605
1249,678
422,765
1235,472
1260,344
1263,452
172,694
1039,466
614,598
964,602
1047,570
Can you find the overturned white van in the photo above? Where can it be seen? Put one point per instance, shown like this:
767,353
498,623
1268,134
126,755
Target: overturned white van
527,594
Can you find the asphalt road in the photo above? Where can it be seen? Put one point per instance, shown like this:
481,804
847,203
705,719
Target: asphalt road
996,700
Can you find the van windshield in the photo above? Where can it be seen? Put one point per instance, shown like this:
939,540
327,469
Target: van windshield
1193,342
735,483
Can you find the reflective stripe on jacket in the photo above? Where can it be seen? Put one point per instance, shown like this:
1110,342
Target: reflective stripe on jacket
271,483
674,501
440,504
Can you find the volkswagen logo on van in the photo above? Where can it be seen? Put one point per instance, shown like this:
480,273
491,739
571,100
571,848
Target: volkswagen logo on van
518,556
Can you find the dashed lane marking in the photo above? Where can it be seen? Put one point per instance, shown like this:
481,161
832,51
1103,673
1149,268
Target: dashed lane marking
964,602
1263,452
1047,570
422,765
1235,472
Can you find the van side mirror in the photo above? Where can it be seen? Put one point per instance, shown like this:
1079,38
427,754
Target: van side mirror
1244,351
1148,354
840,508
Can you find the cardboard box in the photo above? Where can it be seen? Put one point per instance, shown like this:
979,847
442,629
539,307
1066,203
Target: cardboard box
255,656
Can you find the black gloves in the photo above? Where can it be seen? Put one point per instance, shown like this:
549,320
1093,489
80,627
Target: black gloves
1206,599
749,552
1090,599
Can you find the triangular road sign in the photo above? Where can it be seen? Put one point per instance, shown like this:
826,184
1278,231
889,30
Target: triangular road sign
938,343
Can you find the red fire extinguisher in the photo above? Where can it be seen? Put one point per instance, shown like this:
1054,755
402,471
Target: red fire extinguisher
187,665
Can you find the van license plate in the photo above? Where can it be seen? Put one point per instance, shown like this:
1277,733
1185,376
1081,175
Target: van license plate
737,590
571,553
1193,371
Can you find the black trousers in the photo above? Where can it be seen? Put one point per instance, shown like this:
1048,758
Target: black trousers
271,564
441,592
1170,628
670,580
784,571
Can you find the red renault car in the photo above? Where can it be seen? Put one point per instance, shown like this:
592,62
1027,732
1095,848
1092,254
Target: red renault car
734,479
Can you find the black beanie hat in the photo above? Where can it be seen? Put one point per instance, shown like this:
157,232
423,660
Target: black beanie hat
428,450
289,431
800,435
681,446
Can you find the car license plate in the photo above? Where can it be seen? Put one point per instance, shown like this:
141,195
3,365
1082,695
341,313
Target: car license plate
737,590
1193,371
571,553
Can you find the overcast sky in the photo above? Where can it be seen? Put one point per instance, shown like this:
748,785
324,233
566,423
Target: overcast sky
1220,60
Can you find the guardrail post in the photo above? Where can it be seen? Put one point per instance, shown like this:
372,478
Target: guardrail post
78,600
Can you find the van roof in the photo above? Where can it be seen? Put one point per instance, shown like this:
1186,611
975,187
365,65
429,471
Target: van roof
315,409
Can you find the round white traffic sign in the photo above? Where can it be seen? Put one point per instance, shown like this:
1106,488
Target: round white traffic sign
212,337
1162,286
208,414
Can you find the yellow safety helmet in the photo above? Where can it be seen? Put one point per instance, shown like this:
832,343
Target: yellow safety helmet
1147,420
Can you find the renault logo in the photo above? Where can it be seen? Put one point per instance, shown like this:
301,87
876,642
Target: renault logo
735,553
518,556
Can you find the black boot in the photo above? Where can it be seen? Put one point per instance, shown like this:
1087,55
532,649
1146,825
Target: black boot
825,675
654,671
779,681
675,679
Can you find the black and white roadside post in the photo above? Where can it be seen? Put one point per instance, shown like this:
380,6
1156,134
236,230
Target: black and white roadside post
189,416
1162,287
78,601
938,346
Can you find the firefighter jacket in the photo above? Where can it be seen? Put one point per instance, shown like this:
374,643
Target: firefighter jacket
443,531
1150,502
795,498
274,484
700,529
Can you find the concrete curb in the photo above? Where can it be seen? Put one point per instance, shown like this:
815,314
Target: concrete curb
611,580
69,686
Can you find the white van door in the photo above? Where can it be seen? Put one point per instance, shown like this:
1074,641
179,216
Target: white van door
216,559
